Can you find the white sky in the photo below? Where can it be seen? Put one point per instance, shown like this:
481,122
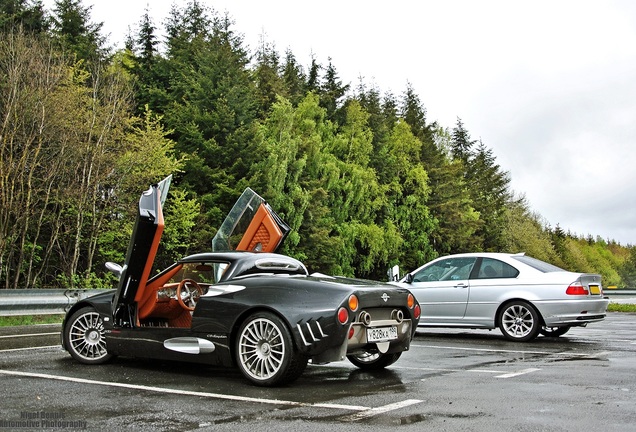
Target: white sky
549,85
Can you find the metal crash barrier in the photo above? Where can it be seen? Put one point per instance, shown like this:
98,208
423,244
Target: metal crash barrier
58,301
41,301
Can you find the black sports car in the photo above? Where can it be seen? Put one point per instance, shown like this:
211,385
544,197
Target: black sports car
247,307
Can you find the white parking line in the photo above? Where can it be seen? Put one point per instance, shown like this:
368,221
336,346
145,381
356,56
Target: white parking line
448,370
363,409
482,349
521,372
381,410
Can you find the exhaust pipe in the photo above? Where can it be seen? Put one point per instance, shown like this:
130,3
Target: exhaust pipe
365,318
397,315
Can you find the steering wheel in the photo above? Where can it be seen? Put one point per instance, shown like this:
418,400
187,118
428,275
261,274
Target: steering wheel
188,293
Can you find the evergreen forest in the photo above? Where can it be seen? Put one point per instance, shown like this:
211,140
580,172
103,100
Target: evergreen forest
365,180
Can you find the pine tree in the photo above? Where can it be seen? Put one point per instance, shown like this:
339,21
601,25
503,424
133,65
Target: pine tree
27,16
295,86
269,84
489,188
76,33
461,144
313,78
332,92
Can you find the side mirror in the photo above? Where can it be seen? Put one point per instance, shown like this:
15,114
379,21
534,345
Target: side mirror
394,273
115,268
409,278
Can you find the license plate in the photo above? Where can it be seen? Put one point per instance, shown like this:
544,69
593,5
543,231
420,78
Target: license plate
595,289
382,334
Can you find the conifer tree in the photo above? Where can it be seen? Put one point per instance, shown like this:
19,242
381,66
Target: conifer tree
76,33
332,92
295,86
22,15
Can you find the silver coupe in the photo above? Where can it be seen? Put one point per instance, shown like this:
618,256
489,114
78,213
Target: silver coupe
521,295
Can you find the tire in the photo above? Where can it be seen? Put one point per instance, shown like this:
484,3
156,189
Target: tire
374,361
265,352
554,331
519,321
84,336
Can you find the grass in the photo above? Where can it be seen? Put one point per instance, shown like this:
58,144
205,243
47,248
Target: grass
19,320
620,307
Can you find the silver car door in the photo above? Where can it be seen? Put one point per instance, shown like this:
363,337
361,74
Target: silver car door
442,290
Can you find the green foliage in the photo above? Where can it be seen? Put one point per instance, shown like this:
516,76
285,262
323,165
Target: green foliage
628,269
364,181
20,320
621,307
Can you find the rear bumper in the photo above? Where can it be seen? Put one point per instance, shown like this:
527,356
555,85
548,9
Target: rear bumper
573,312
358,343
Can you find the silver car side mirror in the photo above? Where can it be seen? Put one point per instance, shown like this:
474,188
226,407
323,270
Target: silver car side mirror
115,268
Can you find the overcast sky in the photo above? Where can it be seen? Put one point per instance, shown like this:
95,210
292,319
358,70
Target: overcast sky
549,85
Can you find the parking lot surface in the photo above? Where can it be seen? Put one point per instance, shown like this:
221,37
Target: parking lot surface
453,380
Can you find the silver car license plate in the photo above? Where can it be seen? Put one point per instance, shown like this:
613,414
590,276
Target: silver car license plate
382,334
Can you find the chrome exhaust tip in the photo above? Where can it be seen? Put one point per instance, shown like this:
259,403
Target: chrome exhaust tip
397,315
365,318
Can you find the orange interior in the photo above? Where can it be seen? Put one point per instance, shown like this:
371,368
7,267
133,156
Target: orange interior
262,229
152,253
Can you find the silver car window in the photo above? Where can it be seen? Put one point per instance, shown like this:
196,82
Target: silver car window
493,269
445,269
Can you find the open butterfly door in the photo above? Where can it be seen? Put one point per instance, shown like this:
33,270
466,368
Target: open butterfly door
251,225
142,250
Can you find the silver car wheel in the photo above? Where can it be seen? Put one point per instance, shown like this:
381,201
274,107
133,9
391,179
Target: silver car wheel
519,321
373,360
85,337
367,358
261,349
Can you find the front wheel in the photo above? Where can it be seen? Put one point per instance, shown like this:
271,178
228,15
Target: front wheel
374,361
84,336
519,321
554,331
265,352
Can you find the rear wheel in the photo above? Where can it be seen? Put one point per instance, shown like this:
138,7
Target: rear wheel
84,336
554,331
374,361
519,321
265,352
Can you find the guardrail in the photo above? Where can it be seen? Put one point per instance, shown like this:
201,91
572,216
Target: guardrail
41,301
58,301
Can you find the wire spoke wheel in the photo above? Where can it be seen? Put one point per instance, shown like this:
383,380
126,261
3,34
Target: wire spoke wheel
519,321
85,337
261,349
265,351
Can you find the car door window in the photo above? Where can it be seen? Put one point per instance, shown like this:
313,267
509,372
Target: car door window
205,273
445,270
494,269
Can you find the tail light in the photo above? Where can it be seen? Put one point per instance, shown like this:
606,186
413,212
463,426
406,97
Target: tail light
353,303
410,301
343,315
576,288
417,311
